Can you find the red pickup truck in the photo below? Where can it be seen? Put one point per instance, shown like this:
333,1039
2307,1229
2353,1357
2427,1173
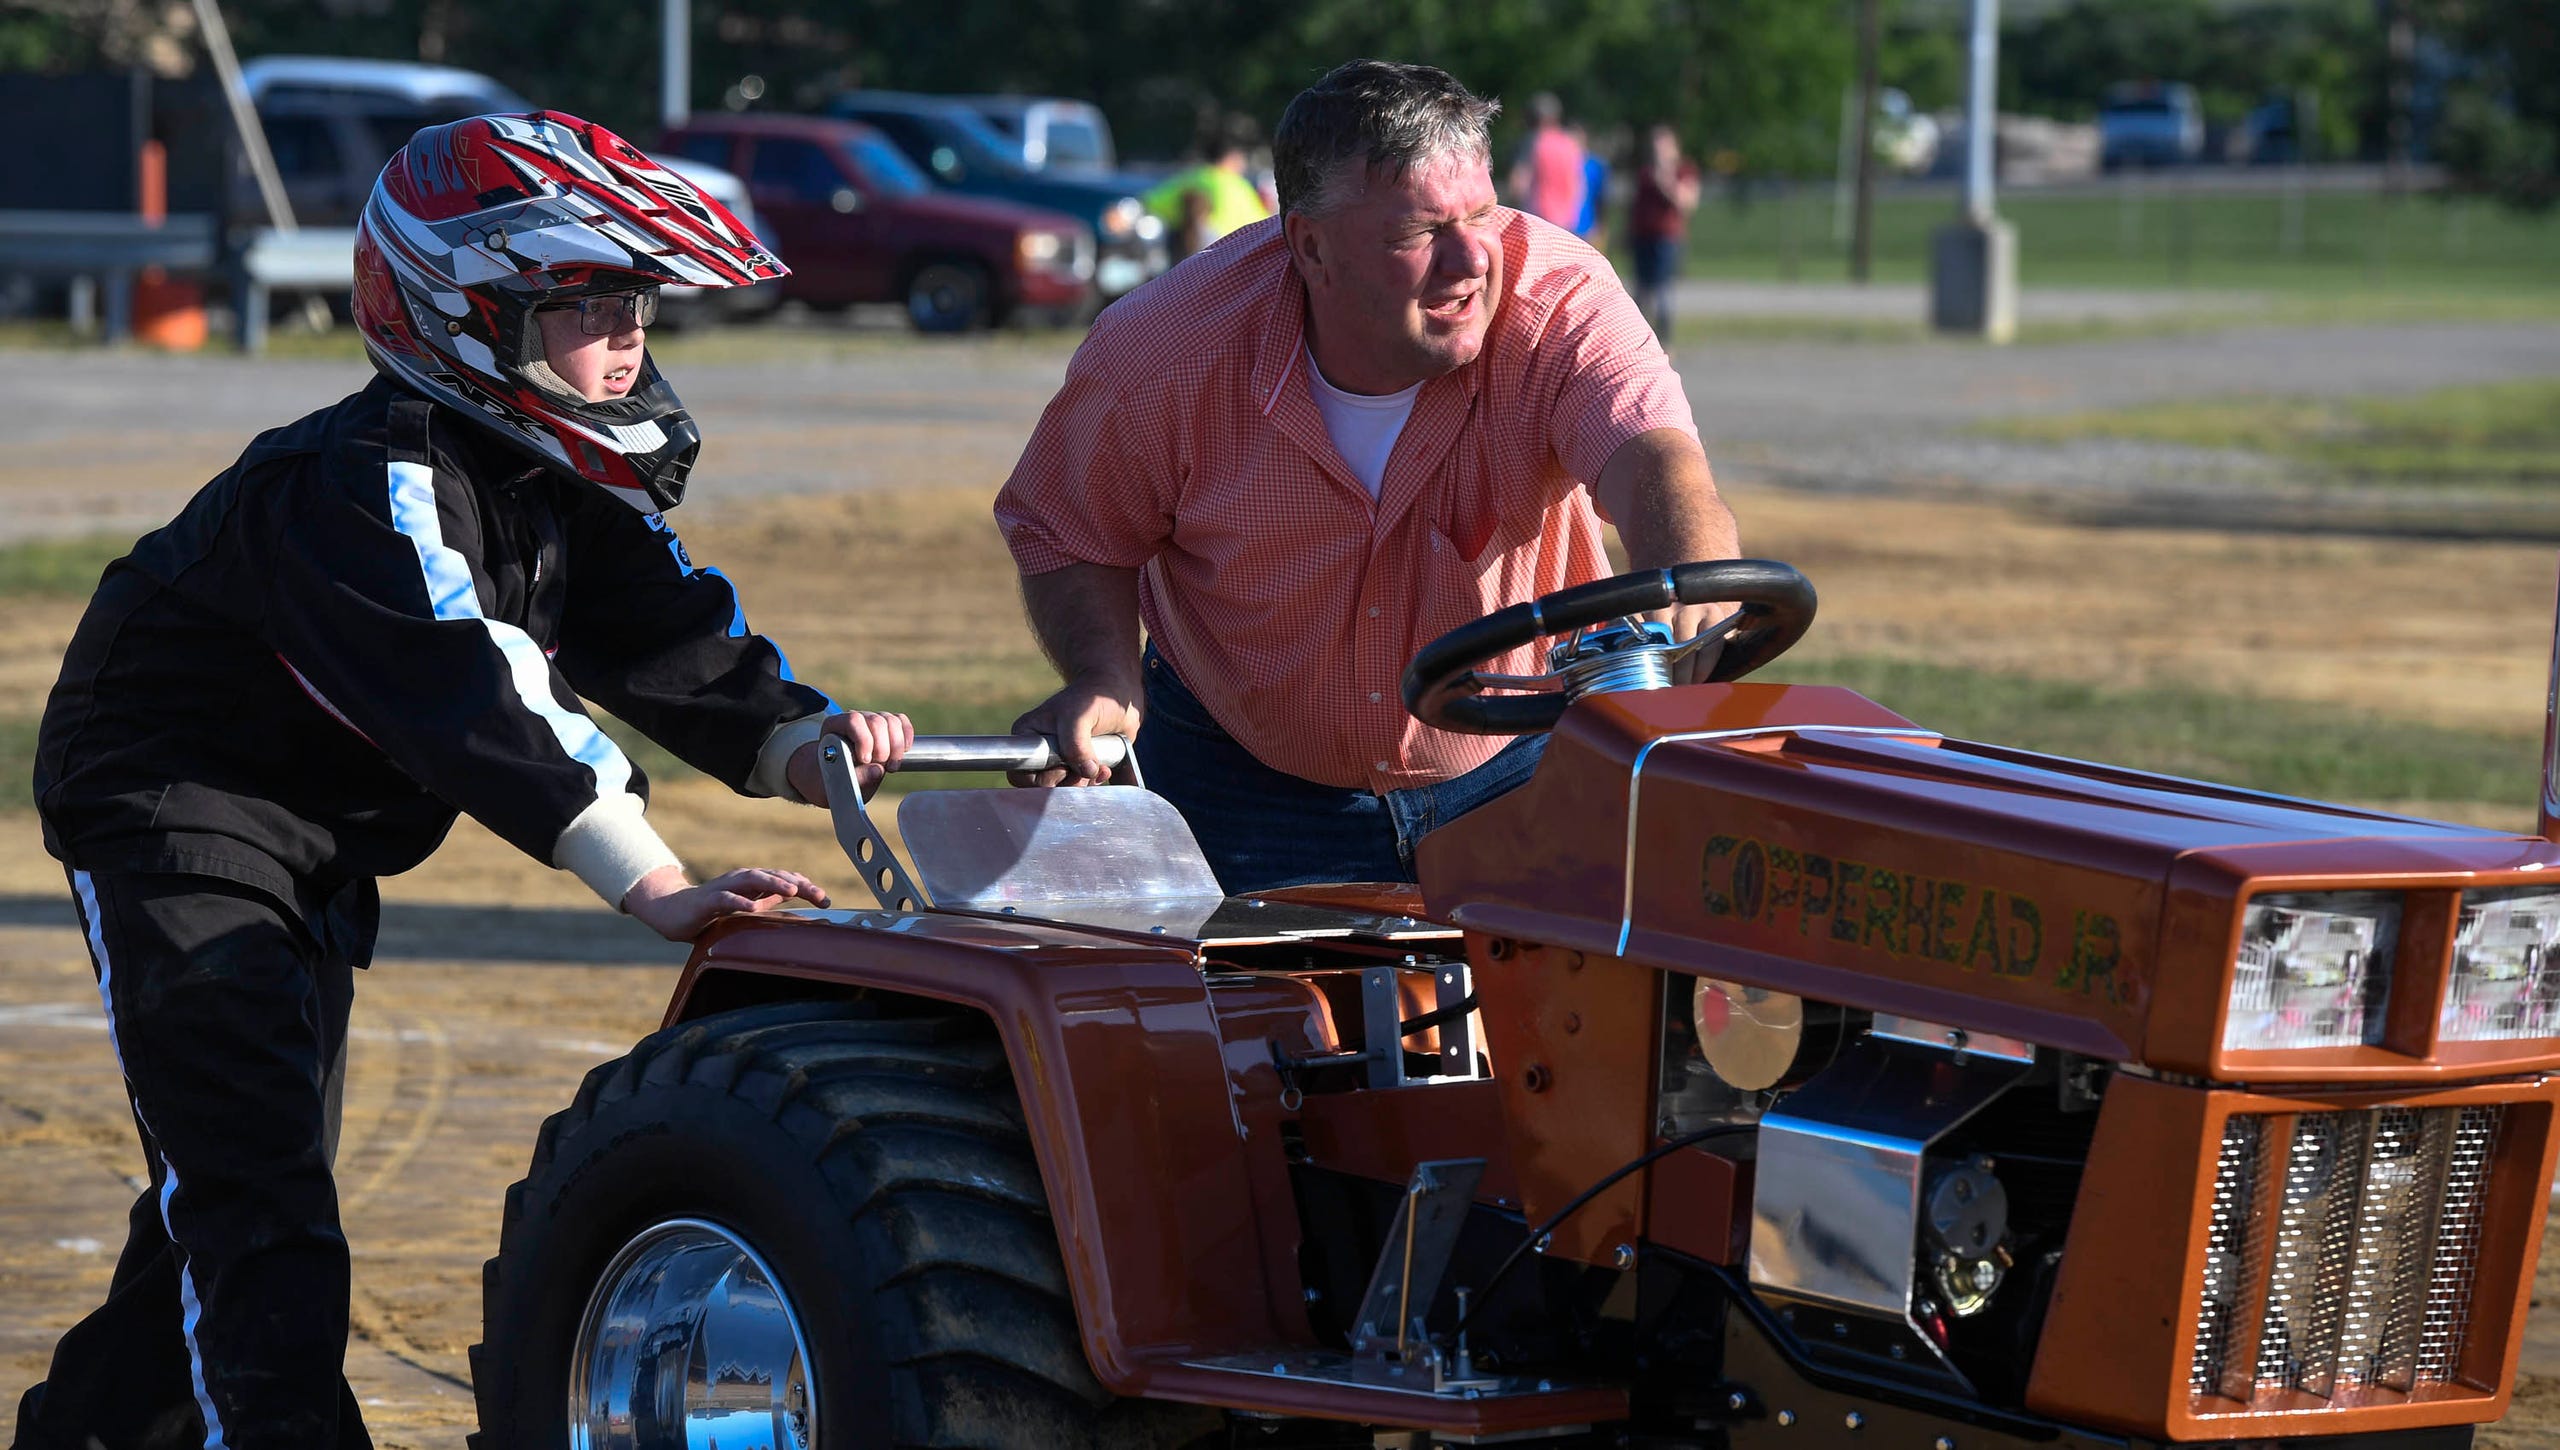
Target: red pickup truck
857,222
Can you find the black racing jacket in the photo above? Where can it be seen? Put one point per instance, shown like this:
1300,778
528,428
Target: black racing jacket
376,618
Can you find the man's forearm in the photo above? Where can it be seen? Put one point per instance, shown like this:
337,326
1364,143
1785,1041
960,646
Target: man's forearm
1086,619
1658,490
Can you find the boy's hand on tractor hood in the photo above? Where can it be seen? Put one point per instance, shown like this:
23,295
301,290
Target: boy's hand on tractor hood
879,739
663,902
1073,717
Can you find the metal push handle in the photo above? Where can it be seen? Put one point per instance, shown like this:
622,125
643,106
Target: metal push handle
882,872
1002,752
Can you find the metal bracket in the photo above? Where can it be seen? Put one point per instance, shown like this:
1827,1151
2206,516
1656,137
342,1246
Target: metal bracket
1416,1254
863,844
1382,1018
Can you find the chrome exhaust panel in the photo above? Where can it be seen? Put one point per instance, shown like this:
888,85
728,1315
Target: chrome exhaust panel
1848,1208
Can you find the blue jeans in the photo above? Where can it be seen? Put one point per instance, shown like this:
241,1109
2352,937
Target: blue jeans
1262,828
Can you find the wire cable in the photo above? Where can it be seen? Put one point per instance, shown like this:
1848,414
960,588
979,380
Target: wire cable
1484,1295
1436,1016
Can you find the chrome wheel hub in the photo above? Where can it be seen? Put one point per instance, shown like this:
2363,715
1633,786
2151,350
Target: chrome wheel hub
688,1343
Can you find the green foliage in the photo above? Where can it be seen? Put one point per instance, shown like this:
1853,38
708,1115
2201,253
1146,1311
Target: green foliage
1761,78
2060,62
42,43
2316,751
2490,148
2501,128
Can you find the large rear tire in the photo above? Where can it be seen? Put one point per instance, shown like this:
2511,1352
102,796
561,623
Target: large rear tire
841,1209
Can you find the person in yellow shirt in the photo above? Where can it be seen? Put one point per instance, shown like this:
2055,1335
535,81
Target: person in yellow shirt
1202,203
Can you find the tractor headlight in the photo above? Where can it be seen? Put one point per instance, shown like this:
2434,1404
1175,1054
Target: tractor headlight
2504,985
1039,249
2314,970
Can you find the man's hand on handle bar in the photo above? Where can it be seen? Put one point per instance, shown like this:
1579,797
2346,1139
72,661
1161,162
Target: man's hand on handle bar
1075,717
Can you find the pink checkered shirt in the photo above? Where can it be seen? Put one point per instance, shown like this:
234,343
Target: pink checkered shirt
1185,442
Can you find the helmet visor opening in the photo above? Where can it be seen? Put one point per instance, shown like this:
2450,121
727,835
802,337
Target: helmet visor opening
601,314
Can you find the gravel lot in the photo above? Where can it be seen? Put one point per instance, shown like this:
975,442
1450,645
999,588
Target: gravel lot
98,440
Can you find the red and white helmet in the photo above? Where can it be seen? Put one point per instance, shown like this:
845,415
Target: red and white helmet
476,223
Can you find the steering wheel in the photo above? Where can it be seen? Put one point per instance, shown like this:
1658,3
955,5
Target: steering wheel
1443,688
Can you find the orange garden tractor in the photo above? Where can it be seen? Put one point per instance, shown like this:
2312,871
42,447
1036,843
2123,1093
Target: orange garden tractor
1768,1071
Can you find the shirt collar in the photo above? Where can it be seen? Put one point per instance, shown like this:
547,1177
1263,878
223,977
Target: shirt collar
1284,337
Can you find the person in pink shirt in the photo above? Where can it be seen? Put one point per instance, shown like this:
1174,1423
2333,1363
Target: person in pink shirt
1549,177
1320,444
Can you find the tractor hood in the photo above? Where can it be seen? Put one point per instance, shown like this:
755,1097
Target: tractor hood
1805,839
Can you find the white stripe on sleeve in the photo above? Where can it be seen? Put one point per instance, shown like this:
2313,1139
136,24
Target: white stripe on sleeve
449,588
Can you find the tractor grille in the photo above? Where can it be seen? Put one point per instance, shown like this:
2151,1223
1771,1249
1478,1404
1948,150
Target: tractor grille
2342,1250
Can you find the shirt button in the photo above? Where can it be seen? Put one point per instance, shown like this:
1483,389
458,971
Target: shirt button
1379,765
1375,697
1373,611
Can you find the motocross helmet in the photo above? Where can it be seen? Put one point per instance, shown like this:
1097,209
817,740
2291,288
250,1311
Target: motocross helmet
476,223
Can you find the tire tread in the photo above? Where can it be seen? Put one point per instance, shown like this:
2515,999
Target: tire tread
915,1125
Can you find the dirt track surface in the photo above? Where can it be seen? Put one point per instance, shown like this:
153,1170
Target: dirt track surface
500,985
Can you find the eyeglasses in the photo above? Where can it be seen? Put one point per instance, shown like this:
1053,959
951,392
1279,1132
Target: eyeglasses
602,315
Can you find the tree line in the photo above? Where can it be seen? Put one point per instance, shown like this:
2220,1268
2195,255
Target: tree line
1756,84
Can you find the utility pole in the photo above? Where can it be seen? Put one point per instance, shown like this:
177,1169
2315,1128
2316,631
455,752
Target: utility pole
2400,41
1863,226
675,62
1973,263
244,116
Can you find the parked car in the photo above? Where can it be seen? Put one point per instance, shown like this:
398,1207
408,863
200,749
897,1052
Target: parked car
332,122
2150,123
858,222
1050,134
955,146
680,308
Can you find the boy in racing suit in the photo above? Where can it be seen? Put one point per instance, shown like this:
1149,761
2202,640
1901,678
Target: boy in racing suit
380,616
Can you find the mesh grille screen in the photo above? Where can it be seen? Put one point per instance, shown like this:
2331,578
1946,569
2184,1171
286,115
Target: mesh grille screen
2457,1249
2341,1250
2227,1251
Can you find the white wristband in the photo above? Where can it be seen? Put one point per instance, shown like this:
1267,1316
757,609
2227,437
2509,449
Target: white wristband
610,846
772,775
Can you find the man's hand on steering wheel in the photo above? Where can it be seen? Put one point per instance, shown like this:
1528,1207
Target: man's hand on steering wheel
1073,717
1688,621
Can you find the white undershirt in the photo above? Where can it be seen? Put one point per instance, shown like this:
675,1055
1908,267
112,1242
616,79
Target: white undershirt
1363,428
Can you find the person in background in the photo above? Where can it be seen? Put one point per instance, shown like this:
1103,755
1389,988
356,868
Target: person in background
1658,223
1546,179
1207,201
1592,225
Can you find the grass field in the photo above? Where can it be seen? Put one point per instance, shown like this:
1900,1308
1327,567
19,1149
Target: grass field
2323,246
2501,434
1976,622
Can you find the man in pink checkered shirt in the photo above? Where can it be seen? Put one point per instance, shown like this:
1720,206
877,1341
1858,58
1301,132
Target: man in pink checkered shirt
1317,445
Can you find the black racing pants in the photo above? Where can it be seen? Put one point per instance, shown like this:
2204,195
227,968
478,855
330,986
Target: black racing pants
226,1325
